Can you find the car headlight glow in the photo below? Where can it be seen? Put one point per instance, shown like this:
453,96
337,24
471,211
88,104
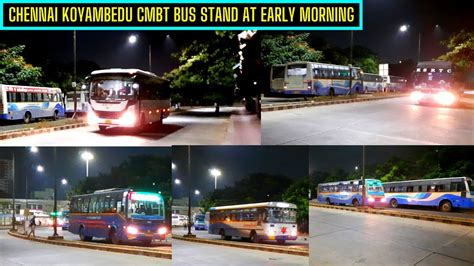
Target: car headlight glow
416,96
132,230
445,98
162,230
128,119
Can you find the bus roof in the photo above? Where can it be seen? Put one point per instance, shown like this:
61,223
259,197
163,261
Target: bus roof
255,205
131,71
321,64
20,88
434,64
346,181
429,180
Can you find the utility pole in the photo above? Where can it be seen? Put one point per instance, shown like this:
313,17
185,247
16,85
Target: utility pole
363,175
13,192
149,57
419,46
352,45
74,84
189,234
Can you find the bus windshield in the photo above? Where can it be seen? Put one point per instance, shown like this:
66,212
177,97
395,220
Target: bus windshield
200,217
278,215
113,87
145,205
432,79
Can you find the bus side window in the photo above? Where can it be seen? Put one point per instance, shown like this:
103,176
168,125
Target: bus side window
315,73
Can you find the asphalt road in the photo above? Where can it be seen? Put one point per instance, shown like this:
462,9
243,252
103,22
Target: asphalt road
191,253
199,126
393,121
300,242
340,237
15,251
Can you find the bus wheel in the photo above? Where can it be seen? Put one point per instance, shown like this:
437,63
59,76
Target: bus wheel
102,128
113,237
82,236
328,201
281,241
27,118
393,203
446,206
331,92
355,203
253,237
56,115
222,233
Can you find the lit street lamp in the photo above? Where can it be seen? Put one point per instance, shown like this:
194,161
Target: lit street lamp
132,39
177,181
64,181
40,168
87,156
173,166
356,167
215,173
196,192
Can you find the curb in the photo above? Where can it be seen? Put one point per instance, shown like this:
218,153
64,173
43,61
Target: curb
268,248
25,133
102,247
294,105
425,217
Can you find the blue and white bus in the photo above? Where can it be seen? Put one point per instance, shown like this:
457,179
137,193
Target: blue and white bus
443,193
394,83
255,221
29,103
372,82
350,192
318,79
119,215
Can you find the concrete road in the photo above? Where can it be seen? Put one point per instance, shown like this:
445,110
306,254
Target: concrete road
191,253
383,122
340,237
300,242
199,126
14,251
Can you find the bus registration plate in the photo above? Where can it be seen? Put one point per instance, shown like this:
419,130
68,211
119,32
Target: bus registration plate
108,121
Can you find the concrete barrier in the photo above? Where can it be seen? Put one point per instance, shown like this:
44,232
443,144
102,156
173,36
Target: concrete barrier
30,132
145,251
402,214
302,104
254,246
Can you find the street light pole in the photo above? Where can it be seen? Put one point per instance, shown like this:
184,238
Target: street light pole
75,72
189,194
363,175
352,44
149,57
13,192
55,217
419,46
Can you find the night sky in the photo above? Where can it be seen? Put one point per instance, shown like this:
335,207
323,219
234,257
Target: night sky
382,20
330,158
235,163
69,164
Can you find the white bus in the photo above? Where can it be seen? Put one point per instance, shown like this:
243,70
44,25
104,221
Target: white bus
127,98
372,82
394,83
318,79
28,103
256,221
82,99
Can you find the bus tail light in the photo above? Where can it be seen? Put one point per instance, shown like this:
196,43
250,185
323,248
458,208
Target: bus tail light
162,230
370,199
271,233
132,230
294,233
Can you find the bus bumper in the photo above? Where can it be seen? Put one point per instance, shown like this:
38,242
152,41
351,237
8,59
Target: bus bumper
279,237
292,92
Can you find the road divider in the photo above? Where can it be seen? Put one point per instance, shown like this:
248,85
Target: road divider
134,250
24,132
398,213
299,251
313,103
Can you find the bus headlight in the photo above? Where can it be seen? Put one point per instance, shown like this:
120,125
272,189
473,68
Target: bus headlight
445,98
128,119
383,200
370,199
416,96
162,230
92,118
132,230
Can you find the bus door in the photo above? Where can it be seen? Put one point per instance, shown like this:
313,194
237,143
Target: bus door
297,78
277,82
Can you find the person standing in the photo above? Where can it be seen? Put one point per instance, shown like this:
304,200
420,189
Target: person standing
32,227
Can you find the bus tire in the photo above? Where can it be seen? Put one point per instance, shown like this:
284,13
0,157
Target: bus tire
355,203
102,128
446,206
113,238
56,115
27,118
82,236
253,237
331,92
393,203
328,201
281,241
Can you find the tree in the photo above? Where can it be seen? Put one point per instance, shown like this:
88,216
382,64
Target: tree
461,50
289,47
297,193
15,71
205,71
206,204
365,58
